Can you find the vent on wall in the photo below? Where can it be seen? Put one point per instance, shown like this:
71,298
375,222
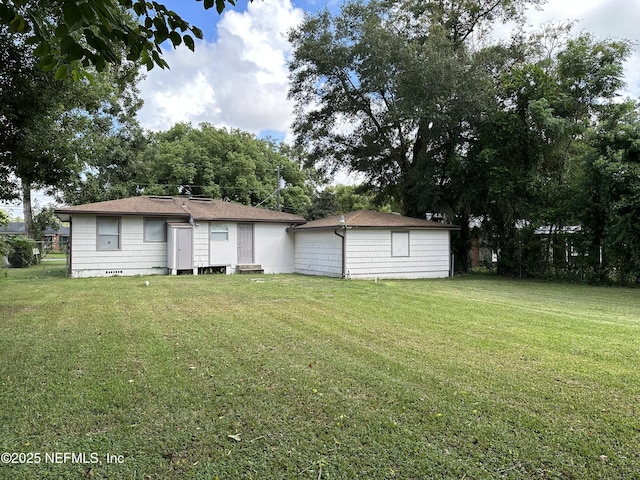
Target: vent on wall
113,272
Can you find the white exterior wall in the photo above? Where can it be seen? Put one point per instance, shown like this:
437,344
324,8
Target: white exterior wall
201,244
318,253
135,257
224,253
273,247
369,254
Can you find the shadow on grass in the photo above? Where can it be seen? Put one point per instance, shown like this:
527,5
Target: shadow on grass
47,268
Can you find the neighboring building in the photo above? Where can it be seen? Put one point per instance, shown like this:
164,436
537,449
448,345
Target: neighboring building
560,243
52,239
367,244
13,229
161,235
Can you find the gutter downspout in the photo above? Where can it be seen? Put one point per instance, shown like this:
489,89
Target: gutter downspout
70,248
344,260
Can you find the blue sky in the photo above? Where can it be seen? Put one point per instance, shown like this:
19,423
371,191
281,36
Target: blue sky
193,11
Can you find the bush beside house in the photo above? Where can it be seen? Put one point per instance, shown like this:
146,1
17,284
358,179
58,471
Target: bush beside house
20,253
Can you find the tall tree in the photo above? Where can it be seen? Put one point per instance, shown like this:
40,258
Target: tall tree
393,90
50,128
525,152
212,162
607,195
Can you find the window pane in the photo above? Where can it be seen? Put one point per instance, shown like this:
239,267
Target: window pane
219,233
155,230
108,226
108,233
108,242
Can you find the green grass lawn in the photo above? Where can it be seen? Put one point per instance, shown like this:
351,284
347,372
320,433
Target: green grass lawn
277,377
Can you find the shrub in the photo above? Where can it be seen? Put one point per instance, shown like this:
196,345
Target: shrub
21,252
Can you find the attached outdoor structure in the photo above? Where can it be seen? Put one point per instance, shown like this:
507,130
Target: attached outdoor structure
367,244
161,235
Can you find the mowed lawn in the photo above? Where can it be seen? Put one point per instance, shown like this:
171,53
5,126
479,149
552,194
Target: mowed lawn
278,377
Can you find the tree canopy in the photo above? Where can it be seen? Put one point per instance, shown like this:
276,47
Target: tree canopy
200,161
441,119
51,130
69,36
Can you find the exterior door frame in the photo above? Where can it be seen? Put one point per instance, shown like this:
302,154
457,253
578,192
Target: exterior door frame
180,248
246,243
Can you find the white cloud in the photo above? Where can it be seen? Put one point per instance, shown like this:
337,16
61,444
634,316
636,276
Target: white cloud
239,81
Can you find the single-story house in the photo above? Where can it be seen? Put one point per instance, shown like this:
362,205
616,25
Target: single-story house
367,244
171,235
161,235
52,239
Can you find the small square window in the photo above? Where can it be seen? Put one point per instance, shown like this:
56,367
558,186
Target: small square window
155,230
219,233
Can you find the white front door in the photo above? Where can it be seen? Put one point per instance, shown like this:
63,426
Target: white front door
245,243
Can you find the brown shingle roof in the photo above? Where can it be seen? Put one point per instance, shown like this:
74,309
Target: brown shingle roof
196,208
371,219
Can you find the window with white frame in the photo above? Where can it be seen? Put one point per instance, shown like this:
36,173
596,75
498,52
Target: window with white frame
399,244
155,230
219,232
108,233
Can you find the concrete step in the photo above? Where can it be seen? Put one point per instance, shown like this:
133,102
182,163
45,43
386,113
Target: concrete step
250,268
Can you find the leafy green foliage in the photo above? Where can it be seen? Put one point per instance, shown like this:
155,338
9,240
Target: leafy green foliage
526,151
21,252
52,129
43,219
70,36
203,161
4,244
218,163
333,200
609,187
438,124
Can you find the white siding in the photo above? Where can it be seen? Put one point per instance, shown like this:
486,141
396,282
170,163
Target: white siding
224,253
369,254
273,247
201,244
318,253
135,257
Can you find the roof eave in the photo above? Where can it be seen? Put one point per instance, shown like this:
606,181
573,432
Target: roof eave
377,227
65,215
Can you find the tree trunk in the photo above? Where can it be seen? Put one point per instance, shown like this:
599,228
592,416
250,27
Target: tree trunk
461,244
27,210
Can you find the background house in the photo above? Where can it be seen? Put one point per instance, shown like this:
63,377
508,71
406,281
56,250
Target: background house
367,244
160,235
55,239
